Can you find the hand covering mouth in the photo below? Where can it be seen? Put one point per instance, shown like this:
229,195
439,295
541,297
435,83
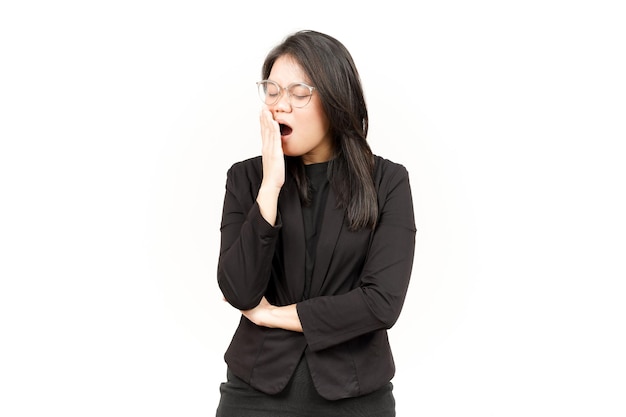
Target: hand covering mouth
285,130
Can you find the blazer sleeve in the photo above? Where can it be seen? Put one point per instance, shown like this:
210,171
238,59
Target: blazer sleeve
247,244
384,280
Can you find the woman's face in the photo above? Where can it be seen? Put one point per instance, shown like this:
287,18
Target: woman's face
305,131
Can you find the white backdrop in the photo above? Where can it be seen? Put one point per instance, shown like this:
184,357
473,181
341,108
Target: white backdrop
119,120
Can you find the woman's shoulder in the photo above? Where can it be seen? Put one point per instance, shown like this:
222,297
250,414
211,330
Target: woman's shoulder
251,167
244,164
245,175
386,169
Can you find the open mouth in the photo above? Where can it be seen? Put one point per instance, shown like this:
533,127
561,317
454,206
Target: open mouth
285,130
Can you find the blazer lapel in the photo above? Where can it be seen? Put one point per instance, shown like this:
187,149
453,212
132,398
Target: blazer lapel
332,224
293,239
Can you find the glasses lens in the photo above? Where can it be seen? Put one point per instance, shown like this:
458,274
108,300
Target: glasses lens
300,95
269,92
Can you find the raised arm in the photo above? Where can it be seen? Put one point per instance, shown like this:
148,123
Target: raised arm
249,227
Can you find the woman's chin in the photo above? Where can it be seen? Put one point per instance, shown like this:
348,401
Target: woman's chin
288,150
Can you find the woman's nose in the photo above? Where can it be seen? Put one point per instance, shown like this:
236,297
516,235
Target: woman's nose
283,103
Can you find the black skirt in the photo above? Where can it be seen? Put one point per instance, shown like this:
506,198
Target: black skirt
300,399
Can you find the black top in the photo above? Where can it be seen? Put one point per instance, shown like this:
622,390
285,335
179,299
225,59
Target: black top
313,216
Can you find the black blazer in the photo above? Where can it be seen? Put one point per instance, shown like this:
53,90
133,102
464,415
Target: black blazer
358,286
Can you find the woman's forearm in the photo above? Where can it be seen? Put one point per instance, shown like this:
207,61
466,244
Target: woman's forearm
267,315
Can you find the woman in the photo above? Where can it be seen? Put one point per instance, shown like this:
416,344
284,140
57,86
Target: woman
317,243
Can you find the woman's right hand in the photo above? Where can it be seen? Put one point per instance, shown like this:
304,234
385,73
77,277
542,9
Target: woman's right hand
273,167
272,151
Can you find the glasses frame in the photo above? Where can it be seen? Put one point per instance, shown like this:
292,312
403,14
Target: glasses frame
282,89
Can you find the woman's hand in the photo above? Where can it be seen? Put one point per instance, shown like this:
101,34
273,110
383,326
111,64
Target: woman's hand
267,315
273,167
259,314
272,151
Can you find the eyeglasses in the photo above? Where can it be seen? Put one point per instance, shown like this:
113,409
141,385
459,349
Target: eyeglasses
298,94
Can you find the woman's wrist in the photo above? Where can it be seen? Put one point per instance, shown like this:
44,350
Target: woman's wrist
267,199
285,317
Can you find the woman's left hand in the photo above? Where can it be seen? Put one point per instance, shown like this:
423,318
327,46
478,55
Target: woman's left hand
259,315
268,315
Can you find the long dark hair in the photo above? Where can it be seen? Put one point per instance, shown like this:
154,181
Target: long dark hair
331,69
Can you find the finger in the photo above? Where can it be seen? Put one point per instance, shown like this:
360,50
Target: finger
267,120
269,127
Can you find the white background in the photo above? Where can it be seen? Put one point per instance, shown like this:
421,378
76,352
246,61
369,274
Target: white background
119,120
